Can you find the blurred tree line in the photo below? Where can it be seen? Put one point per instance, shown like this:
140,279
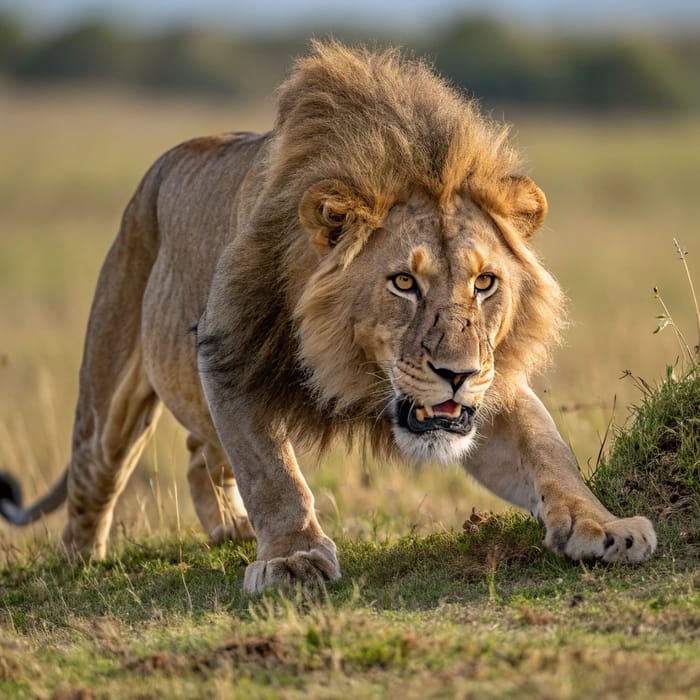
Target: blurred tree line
490,60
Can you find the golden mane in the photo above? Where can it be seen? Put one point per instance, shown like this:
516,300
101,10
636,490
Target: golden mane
383,125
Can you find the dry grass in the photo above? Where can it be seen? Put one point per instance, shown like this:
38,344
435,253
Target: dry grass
618,194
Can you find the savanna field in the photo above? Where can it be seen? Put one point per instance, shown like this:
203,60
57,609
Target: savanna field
426,607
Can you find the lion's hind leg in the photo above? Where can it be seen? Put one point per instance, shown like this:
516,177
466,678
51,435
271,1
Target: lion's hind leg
111,429
215,494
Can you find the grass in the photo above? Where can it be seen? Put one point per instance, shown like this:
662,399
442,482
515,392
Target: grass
425,607
483,612
654,467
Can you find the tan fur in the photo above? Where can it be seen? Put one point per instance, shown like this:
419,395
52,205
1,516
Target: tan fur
363,271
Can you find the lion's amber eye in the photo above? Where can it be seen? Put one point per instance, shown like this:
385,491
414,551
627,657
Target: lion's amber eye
484,282
404,283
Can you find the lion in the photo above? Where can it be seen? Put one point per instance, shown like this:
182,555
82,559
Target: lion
363,271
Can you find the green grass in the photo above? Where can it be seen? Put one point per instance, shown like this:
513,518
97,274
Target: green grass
484,612
654,466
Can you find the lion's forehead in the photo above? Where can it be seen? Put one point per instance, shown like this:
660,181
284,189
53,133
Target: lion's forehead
432,239
422,261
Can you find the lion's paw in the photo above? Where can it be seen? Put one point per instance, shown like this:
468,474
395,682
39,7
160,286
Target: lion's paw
627,540
308,568
631,540
238,530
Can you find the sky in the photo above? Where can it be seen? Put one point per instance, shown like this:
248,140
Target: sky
278,15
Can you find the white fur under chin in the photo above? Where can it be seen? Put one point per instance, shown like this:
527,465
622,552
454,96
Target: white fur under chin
434,445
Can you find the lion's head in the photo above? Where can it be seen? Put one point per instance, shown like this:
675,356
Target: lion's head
414,325
414,295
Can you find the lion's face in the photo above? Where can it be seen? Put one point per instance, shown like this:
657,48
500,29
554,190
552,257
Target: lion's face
435,310
409,327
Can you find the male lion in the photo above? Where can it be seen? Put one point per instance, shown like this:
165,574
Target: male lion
363,269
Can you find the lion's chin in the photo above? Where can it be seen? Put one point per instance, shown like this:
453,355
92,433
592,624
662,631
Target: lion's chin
434,445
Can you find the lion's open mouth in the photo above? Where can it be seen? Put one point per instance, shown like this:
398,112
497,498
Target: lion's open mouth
448,415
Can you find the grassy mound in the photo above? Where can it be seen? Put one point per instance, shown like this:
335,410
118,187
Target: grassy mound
654,464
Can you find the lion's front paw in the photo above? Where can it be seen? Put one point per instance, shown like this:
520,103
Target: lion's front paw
312,567
628,540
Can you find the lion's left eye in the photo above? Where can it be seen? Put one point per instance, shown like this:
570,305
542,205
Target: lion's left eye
483,283
404,283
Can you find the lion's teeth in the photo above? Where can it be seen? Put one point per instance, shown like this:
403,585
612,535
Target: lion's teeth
424,413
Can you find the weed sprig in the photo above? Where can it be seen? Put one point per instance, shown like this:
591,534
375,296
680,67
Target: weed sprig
692,355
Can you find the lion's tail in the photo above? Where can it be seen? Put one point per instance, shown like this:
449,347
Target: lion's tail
11,500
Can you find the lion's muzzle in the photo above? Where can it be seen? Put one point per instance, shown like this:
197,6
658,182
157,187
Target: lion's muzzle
447,416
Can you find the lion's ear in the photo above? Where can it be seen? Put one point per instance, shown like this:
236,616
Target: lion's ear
525,204
327,210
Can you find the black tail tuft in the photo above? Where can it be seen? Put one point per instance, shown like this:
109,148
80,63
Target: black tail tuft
11,500
10,490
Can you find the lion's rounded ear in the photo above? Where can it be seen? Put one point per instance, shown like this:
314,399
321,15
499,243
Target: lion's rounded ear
327,210
525,203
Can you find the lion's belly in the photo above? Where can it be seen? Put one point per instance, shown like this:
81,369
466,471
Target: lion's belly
173,302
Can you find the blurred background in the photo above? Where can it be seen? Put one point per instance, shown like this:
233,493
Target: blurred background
605,103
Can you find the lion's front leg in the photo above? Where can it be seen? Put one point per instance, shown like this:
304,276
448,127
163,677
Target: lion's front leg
523,459
291,546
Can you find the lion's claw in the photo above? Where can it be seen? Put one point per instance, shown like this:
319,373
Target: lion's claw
628,540
313,567
634,540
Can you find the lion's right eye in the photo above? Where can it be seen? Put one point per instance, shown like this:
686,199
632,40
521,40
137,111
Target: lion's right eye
404,283
484,283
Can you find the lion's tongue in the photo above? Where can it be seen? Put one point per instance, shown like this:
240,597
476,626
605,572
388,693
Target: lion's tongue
447,408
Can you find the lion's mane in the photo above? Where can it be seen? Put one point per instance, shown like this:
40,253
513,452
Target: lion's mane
383,125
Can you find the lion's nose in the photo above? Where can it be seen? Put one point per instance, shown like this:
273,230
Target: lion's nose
455,378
